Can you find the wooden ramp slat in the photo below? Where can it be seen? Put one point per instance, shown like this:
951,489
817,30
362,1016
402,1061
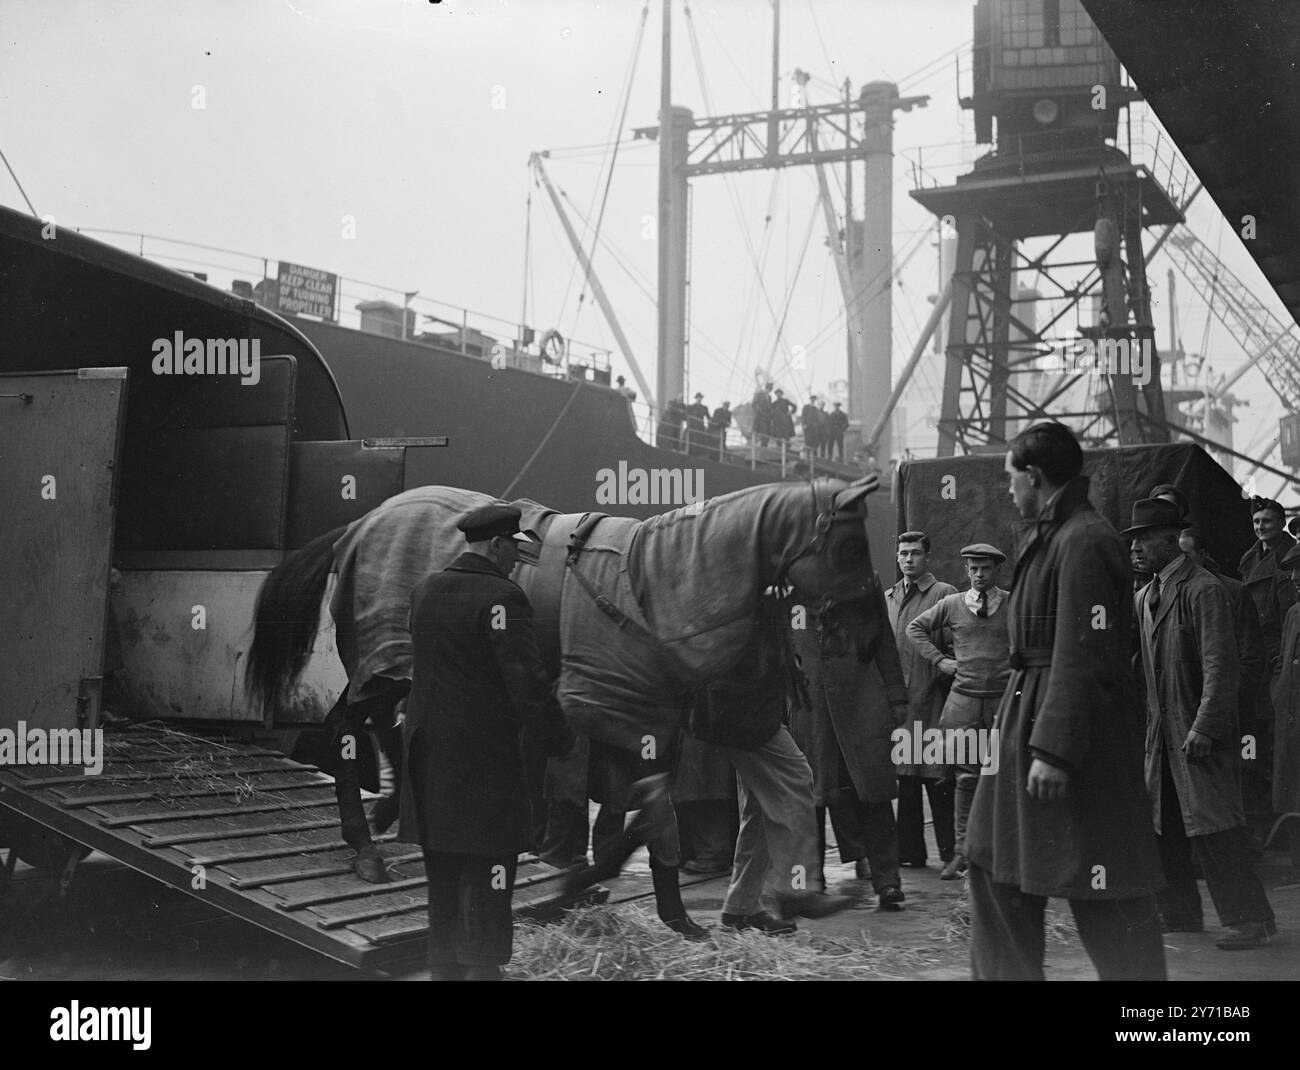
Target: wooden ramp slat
261,829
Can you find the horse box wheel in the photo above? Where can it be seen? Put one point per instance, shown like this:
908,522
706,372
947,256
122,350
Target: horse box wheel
34,844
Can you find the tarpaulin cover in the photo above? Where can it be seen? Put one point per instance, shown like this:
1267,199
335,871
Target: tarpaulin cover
961,500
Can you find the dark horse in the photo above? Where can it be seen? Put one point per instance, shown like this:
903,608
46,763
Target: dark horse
631,615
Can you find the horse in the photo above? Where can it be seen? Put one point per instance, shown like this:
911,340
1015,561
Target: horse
631,616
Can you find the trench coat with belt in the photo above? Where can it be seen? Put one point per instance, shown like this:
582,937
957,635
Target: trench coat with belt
478,686
1194,671
855,698
1071,700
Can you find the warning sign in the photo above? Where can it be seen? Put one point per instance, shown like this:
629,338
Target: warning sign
306,291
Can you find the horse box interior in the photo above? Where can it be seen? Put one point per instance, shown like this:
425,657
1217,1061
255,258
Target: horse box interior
193,489
961,500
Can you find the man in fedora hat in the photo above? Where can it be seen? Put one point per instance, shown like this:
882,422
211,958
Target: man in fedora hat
980,667
1188,678
1065,814
478,685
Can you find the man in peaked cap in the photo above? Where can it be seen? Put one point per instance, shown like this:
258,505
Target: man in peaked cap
980,666
477,680
1188,679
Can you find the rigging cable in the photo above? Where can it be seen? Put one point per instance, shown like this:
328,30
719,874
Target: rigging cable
19,185
627,90
613,161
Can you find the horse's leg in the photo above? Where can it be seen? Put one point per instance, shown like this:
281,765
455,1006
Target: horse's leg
347,725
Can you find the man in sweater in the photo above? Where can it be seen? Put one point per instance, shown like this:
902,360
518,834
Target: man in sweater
980,666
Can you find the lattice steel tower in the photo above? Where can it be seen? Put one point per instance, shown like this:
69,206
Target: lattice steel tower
1047,95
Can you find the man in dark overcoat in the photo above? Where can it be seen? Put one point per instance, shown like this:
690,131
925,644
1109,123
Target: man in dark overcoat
1273,596
1188,679
1286,737
810,419
855,699
927,691
837,422
1066,814
479,691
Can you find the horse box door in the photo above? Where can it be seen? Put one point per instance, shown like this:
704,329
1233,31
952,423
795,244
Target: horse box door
60,433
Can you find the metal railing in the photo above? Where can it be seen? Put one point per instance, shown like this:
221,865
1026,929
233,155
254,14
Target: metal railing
411,318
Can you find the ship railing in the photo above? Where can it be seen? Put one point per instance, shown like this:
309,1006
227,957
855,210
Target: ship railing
387,311
775,457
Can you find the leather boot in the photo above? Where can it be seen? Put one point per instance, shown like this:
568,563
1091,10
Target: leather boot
668,901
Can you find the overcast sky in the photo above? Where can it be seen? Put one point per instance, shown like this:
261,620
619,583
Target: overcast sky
417,120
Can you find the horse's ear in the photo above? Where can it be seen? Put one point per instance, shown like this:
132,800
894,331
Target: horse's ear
856,492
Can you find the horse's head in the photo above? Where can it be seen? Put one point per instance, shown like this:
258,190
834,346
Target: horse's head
835,565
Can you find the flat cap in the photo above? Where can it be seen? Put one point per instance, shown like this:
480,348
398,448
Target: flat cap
1258,504
489,521
983,549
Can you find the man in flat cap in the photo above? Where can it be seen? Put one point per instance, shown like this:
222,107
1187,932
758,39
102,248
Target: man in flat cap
1188,679
979,666
478,685
1066,814
697,417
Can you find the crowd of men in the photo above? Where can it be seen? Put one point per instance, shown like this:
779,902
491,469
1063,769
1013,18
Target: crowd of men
696,430
1119,685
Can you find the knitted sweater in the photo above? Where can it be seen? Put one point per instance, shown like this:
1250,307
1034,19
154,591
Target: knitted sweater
981,645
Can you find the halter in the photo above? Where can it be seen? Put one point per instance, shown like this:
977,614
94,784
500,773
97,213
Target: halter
823,504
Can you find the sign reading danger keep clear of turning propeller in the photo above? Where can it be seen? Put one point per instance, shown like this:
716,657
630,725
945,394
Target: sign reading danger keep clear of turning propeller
306,291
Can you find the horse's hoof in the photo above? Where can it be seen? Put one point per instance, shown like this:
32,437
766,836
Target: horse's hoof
369,865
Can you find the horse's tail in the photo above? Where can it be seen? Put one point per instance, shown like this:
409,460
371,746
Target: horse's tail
287,617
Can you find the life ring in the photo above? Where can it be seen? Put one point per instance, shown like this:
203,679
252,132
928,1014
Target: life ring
551,344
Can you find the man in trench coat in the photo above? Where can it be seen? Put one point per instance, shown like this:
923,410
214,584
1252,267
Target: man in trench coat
927,691
1066,814
1188,680
478,685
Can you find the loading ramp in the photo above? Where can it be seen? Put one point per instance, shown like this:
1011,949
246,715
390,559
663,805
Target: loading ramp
247,830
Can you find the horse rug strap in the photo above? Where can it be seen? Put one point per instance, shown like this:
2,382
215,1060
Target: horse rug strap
577,541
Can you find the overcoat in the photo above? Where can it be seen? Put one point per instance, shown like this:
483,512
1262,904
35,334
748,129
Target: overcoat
927,687
1270,590
855,698
783,418
1195,672
1071,697
1286,733
478,685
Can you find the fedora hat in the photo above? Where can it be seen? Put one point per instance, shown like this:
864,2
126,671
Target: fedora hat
1154,513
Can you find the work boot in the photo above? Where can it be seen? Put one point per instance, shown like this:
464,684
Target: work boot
668,902
762,921
1244,936
955,868
892,898
813,905
369,865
